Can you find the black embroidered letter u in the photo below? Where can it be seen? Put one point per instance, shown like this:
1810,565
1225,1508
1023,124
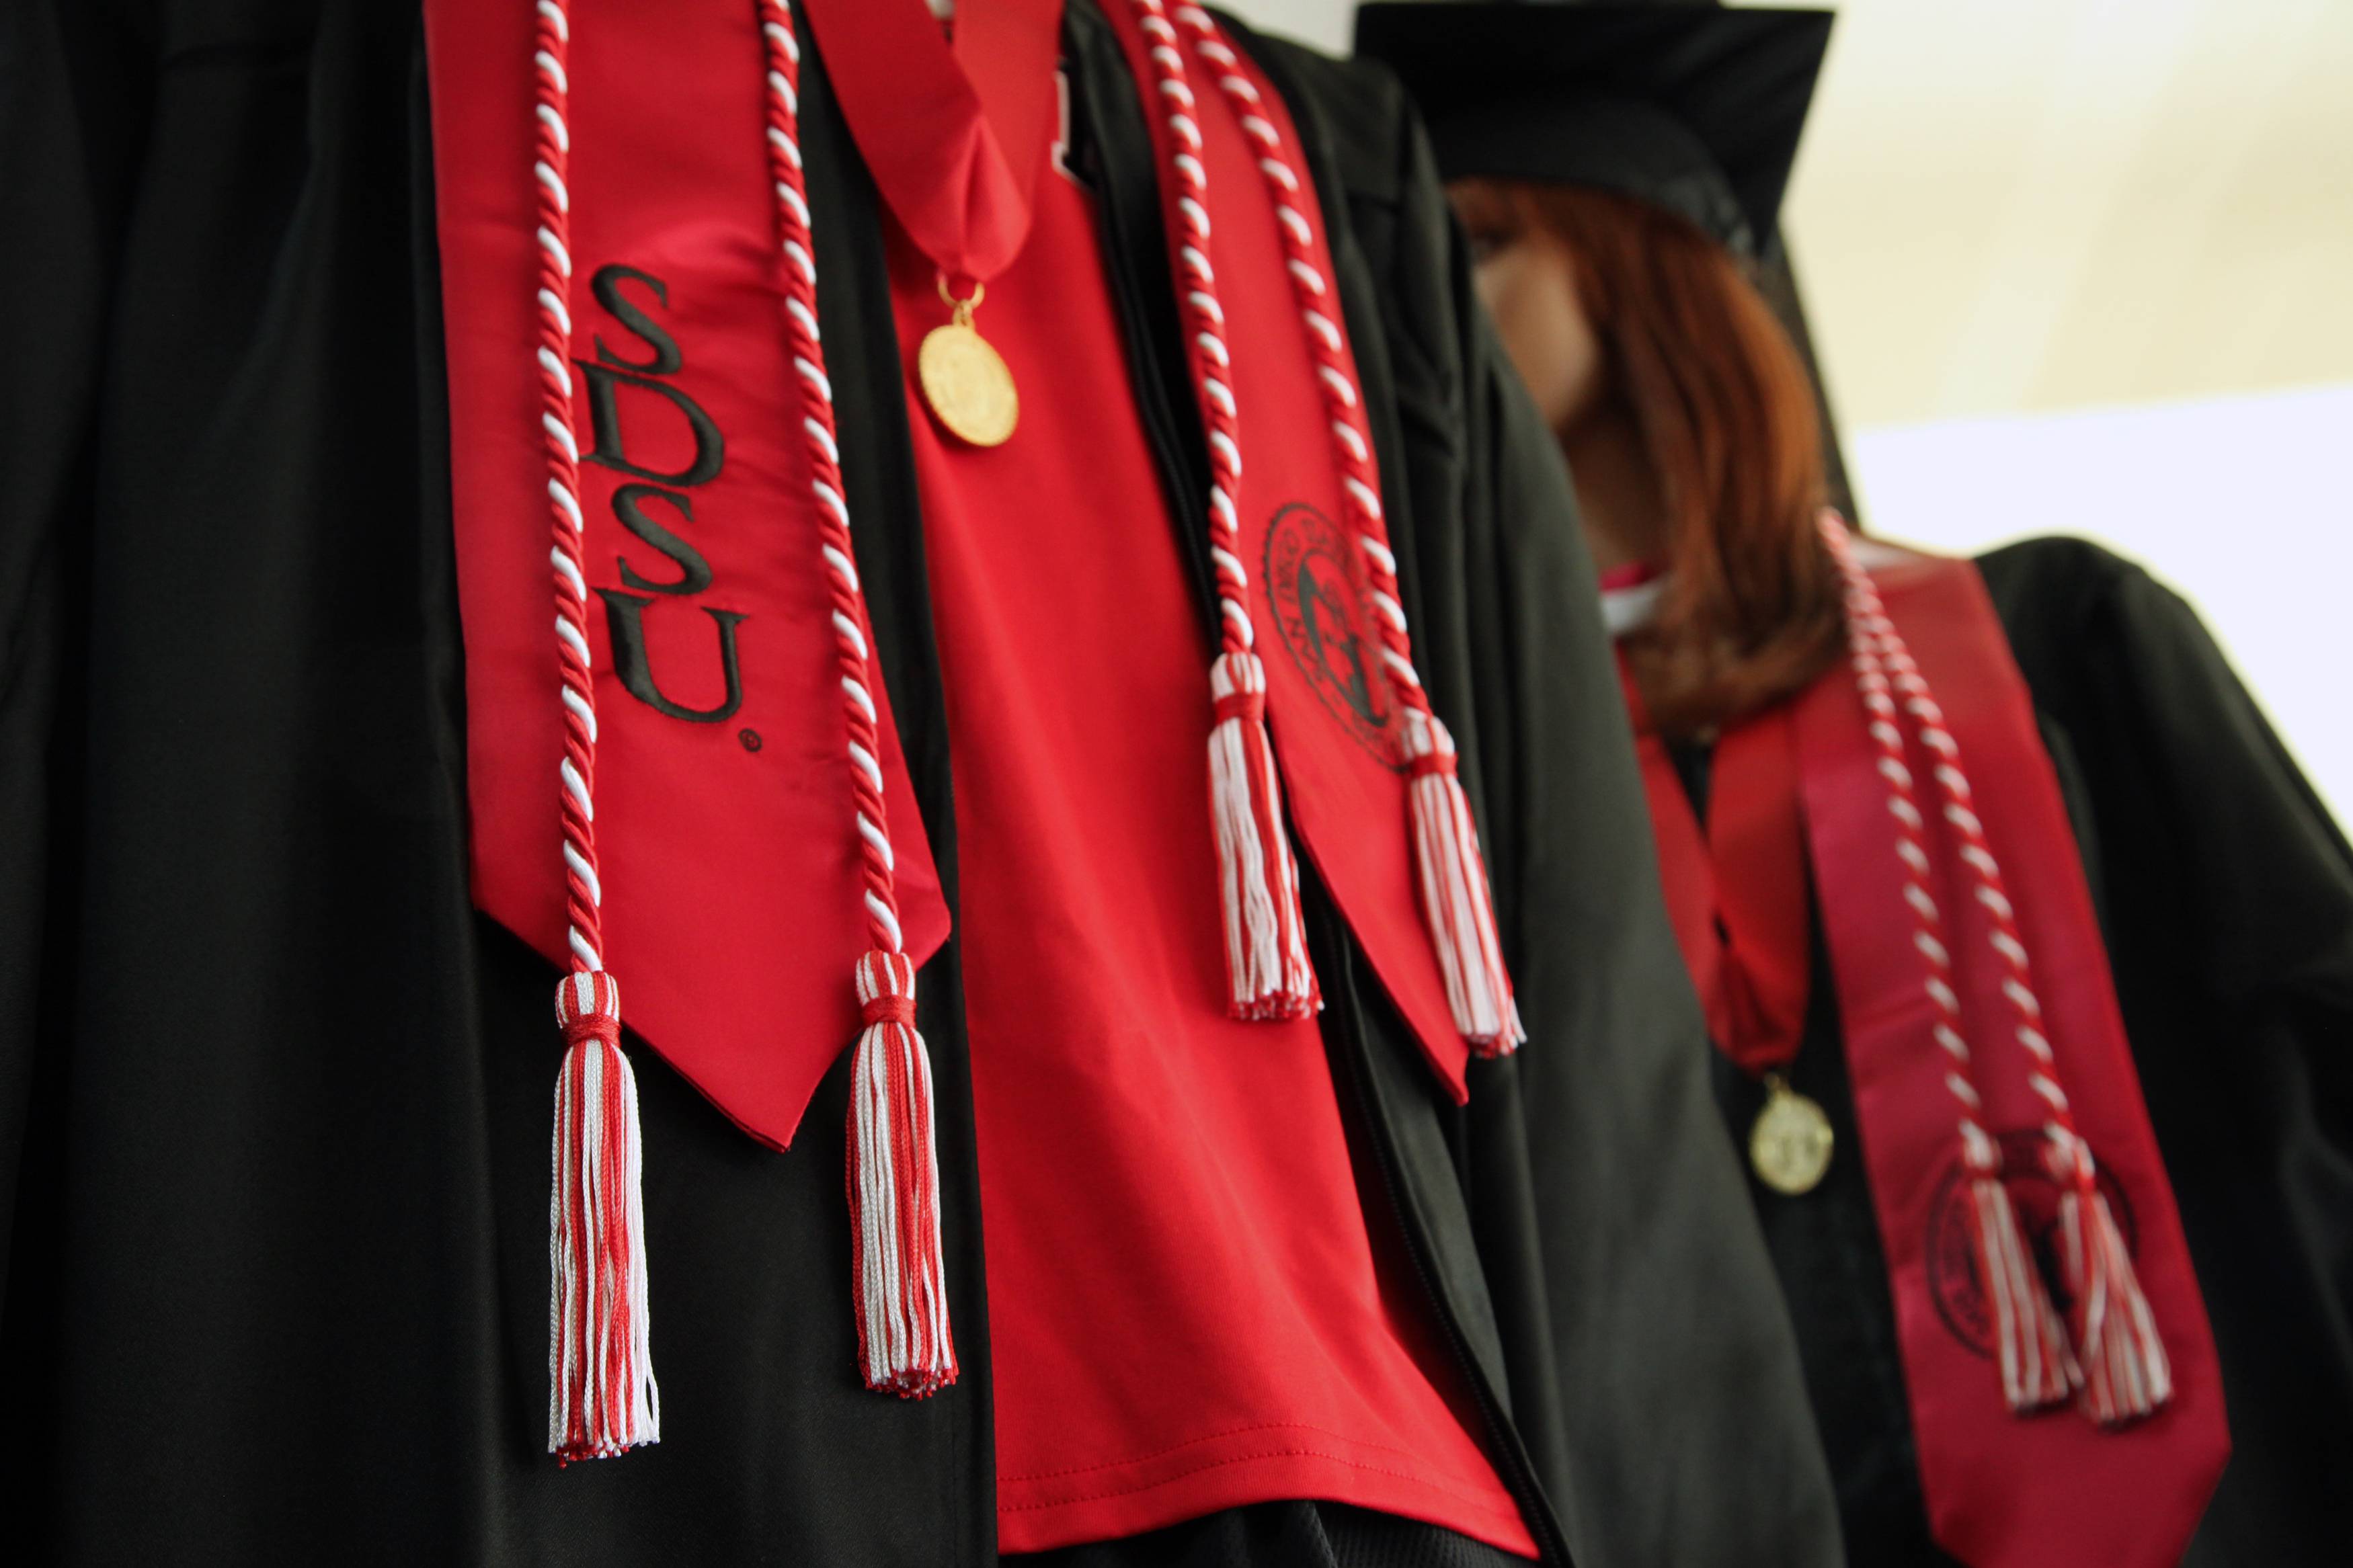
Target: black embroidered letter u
624,620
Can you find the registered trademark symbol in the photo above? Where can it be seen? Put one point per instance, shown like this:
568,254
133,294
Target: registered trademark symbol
751,739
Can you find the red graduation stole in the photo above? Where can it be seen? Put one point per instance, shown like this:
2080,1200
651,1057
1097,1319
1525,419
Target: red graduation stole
638,376
2072,1478
731,879
718,710
1368,770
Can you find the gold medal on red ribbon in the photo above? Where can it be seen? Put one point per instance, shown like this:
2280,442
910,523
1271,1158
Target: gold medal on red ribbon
968,383
1789,1145
954,128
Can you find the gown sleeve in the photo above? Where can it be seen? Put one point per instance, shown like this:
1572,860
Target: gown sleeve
74,80
2226,892
1649,1363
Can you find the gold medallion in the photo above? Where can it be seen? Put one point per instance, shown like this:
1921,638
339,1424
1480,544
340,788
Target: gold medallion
964,380
1789,1146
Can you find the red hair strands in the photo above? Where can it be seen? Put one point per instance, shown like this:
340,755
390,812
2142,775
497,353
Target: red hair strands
1725,410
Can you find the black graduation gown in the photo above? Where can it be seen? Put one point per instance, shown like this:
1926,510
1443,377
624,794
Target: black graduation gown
2225,893
274,1101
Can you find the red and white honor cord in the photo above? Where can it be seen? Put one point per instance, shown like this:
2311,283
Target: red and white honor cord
1455,899
2030,1346
2116,1357
1266,936
602,1399
899,1284
2121,1360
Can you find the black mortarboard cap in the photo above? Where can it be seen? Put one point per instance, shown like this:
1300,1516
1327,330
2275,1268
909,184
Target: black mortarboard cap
1693,109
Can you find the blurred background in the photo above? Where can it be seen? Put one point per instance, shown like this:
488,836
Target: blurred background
2086,267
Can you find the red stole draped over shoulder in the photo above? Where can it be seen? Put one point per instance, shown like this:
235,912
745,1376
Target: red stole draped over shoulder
731,867
2050,1489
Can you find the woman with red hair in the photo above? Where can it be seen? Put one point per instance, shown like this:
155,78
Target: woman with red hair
1939,837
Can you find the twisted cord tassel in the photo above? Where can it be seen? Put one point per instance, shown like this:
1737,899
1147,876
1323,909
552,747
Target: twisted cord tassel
1257,880
2030,1349
2125,1374
1457,908
897,1287
899,1284
601,1395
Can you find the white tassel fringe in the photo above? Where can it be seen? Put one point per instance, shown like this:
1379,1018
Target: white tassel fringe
1266,938
899,1279
2029,1344
2125,1373
602,1399
1455,898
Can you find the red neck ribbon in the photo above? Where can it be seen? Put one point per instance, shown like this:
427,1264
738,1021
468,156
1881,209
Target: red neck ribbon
1737,884
2043,1492
953,133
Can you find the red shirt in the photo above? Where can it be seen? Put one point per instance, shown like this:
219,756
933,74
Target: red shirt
1185,1310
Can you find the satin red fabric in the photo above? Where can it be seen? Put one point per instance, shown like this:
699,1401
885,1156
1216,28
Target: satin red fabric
733,974
2051,1490
1735,885
1186,1311
953,129
1186,1308
1334,726
731,889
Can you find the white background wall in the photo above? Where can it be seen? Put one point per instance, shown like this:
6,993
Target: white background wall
2086,267
2241,502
